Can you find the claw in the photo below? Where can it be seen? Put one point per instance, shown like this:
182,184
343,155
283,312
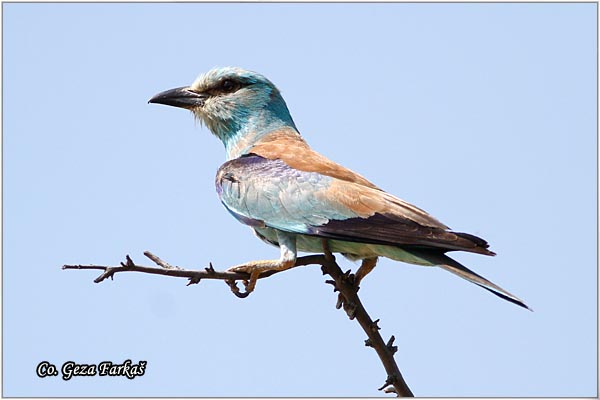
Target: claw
235,290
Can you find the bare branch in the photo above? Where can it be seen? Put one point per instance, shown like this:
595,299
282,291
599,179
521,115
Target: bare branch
193,275
344,283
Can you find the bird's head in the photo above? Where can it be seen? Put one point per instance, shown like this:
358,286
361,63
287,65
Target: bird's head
237,105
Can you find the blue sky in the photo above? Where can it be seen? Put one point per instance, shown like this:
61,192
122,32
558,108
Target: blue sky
482,114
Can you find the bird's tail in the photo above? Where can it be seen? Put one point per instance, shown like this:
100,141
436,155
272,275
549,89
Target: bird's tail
443,261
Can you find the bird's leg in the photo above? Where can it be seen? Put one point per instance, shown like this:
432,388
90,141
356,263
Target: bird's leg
287,245
367,266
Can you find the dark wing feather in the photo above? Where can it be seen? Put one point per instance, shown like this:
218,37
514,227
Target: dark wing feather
397,231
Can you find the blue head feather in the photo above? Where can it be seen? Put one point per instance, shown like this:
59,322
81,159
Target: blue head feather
242,110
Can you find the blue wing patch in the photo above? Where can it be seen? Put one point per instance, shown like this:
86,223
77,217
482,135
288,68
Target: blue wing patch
260,191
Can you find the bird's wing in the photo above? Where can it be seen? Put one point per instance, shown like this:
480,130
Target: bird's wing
287,145
269,192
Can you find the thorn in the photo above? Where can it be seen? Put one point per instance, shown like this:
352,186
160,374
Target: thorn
332,283
323,270
193,280
130,263
368,343
210,268
391,341
393,349
374,326
391,379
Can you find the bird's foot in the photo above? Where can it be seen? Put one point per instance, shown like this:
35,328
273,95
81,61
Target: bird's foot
255,268
254,274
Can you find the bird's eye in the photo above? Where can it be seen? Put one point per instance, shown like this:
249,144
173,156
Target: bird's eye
228,85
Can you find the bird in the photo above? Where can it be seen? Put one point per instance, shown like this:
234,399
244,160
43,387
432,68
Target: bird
295,198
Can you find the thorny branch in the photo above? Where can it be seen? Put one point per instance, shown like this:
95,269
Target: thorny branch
194,276
342,283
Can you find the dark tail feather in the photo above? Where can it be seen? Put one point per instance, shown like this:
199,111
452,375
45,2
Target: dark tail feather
455,267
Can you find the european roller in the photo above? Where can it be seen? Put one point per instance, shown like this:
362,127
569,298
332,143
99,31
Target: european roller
294,198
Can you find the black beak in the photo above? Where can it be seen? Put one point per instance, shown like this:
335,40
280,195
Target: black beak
182,97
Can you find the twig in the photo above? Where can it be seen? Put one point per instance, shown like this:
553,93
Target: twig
194,276
342,282
161,262
354,307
